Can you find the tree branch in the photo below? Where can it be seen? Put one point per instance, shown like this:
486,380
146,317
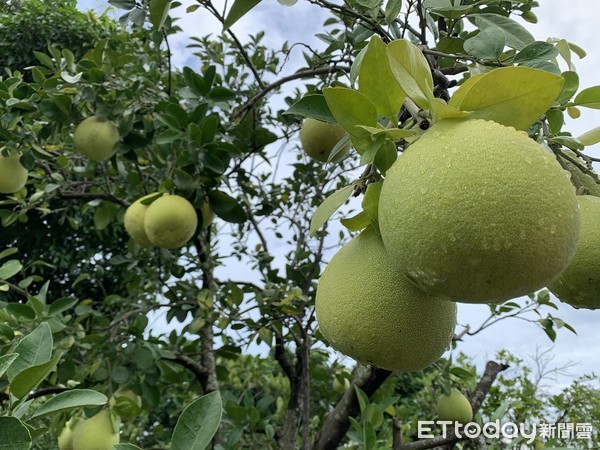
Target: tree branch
337,422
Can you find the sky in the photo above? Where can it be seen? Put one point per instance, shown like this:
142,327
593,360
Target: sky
574,20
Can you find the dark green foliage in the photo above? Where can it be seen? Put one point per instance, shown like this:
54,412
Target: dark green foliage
33,25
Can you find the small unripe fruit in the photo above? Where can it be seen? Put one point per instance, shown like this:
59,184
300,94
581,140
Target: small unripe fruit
13,175
170,221
96,433
96,138
134,221
455,407
319,138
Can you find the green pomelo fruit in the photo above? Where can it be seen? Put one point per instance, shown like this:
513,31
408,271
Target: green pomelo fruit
454,407
13,175
318,139
126,403
479,212
170,221
579,284
96,433
369,311
579,176
96,138
134,221
65,438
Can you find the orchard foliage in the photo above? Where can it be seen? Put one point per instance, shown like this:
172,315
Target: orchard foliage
77,295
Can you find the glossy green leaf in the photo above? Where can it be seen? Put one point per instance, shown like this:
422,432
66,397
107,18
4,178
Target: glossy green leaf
392,9
488,44
370,201
373,414
377,82
8,252
569,88
329,206
569,142
9,269
313,106
351,108
590,137
6,361
440,110
159,11
34,349
125,447
61,305
357,222
448,8
238,10
463,90
198,423
589,98
226,207
411,71
14,435
75,398
536,51
391,133
27,380
517,36
512,96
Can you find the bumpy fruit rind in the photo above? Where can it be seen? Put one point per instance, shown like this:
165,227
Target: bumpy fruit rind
369,311
479,212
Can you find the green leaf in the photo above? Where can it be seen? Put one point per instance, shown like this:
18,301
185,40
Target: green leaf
391,133
569,142
392,9
377,82
44,59
589,98
370,201
61,305
22,311
516,35
14,435
71,399
569,88
9,269
363,399
488,44
373,414
8,252
27,380
463,90
411,71
34,349
329,206
6,361
127,446
448,8
313,106
159,11
369,436
226,207
511,96
440,110
351,108
358,222
198,423
590,137
238,10
536,51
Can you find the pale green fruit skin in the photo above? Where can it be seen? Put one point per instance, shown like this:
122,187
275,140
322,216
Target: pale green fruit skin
96,433
454,407
65,438
13,175
370,312
170,221
579,284
318,139
96,138
134,221
478,212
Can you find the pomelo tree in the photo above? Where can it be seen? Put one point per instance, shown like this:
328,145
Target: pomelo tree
77,292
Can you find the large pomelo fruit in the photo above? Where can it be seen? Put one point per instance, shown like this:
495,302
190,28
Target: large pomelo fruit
170,221
579,284
96,138
13,176
369,311
479,212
